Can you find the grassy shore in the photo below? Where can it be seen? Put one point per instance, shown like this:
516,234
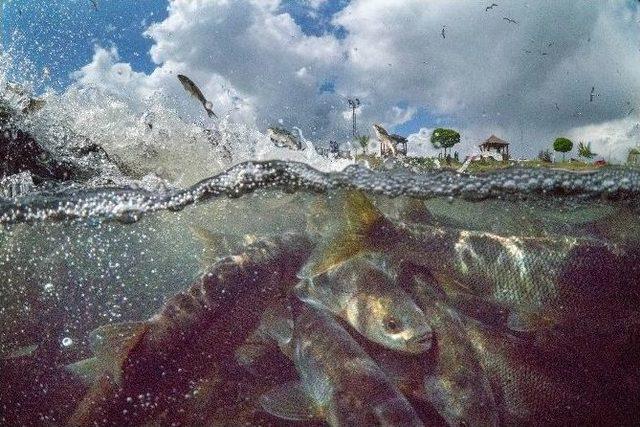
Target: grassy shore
427,163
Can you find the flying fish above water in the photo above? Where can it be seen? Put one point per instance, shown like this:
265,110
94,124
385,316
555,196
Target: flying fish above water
195,91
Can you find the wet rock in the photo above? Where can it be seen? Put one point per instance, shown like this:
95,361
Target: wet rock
20,152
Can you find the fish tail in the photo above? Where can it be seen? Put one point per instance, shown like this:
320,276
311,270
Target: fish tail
365,228
112,345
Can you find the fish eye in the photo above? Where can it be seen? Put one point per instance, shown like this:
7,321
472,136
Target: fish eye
392,325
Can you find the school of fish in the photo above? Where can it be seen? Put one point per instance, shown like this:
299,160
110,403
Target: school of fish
370,320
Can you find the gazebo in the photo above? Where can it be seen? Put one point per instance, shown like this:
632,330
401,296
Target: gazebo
390,145
495,145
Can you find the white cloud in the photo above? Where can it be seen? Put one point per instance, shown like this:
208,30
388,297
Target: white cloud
482,74
527,82
263,54
315,4
610,140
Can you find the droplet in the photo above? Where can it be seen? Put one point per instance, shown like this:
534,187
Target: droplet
66,342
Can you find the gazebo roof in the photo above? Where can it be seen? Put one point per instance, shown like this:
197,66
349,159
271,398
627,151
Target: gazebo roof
398,138
494,141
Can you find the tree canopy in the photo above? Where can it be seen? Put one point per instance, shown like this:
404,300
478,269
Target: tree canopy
444,138
562,145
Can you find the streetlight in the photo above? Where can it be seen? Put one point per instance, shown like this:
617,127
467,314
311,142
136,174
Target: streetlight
354,104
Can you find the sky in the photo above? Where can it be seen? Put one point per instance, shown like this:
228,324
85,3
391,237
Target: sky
523,70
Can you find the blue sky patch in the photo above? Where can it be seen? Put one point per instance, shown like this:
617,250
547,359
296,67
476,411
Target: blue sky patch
422,119
316,22
61,34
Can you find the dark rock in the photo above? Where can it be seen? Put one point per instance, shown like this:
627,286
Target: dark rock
20,152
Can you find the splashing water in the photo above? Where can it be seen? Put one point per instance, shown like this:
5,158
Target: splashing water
115,244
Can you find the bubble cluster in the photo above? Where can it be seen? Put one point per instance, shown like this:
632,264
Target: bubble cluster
128,204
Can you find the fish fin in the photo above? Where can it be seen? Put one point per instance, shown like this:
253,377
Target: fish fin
289,401
21,352
524,322
362,221
302,290
277,323
249,352
416,211
305,292
87,370
113,343
215,245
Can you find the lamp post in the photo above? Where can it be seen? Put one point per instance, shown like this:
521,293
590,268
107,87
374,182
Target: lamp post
354,103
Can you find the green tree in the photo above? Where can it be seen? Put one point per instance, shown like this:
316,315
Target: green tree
444,138
562,145
363,140
584,150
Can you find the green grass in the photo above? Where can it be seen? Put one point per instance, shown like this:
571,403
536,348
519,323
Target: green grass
427,163
574,166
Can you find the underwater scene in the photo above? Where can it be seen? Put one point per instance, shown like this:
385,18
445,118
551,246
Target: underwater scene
307,302
318,212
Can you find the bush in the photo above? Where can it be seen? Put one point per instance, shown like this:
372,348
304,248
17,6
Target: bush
444,138
562,145
544,156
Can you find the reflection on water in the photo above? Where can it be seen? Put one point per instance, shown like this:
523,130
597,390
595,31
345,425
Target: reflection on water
436,311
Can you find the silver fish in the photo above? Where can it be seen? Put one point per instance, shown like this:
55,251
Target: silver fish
283,138
195,91
451,378
339,381
132,355
367,297
528,283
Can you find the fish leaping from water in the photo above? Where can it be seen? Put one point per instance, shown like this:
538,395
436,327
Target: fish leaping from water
195,91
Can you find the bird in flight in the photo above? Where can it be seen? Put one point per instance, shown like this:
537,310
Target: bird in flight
443,34
488,8
592,94
509,20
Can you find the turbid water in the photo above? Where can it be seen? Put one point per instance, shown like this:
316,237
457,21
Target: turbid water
198,268
155,271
